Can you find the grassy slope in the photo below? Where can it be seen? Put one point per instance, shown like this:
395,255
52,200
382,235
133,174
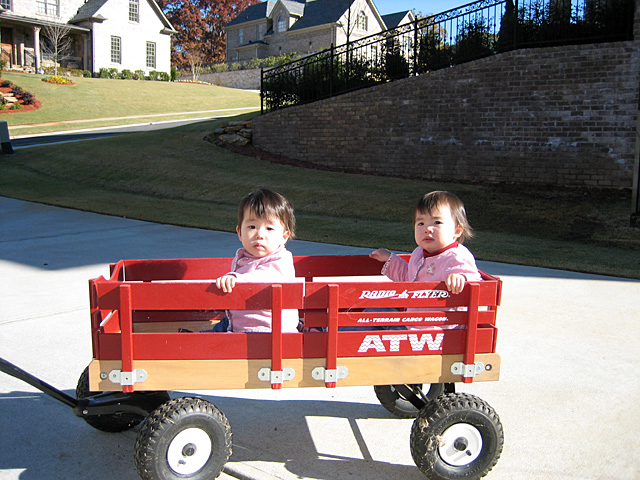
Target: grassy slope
175,176
95,98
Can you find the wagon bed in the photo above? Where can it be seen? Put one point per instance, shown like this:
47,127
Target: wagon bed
136,314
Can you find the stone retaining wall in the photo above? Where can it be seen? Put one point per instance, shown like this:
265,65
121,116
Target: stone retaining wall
558,116
242,79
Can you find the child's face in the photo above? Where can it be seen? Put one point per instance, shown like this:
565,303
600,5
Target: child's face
437,229
261,236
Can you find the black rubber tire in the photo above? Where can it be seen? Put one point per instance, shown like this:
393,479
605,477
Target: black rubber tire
201,450
434,455
397,404
117,422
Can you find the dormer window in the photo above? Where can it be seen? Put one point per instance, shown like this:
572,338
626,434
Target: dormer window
361,21
282,25
134,15
6,4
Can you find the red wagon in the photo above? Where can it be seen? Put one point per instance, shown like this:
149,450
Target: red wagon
356,332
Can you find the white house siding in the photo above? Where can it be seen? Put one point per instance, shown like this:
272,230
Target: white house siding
133,38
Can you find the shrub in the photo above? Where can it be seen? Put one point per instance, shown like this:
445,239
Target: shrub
16,106
138,75
158,76
6,84
108,73
87,74
174,74
126,74
16,90
27,99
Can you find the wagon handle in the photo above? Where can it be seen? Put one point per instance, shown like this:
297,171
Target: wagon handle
15,371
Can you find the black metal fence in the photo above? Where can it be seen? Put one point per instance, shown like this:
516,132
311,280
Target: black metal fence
456,36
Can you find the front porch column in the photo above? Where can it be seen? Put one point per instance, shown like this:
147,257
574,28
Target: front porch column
36,46
85,52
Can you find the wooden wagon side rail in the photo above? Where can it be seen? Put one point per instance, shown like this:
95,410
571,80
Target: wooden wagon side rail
449,337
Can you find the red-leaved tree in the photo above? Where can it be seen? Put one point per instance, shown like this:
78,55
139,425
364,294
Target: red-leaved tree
200,26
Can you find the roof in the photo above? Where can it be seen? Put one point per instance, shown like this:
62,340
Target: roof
89,12
321,12
253,12
295,7
312,13
392,20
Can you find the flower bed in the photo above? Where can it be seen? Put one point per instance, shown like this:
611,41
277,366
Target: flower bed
58,80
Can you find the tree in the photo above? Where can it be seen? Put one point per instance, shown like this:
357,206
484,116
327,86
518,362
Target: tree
56,43
195,63
200,26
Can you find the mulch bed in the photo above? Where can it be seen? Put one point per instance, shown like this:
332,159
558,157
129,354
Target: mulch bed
25,108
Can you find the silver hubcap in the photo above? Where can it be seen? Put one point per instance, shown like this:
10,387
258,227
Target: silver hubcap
460,444
189,451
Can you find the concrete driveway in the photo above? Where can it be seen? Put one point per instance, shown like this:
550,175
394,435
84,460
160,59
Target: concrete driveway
568,396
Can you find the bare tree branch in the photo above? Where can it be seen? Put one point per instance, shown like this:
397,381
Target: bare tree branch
60,45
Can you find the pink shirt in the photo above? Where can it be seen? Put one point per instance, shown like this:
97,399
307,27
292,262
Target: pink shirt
274,268
433,269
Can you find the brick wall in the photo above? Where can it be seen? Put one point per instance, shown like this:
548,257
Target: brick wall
559,116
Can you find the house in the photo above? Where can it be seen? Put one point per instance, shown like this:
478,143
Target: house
271,28
121,34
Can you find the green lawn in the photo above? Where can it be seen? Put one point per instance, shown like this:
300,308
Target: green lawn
176,176
97,98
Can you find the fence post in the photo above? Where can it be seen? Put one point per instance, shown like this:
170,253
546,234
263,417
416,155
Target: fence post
331,71
415,47
515,26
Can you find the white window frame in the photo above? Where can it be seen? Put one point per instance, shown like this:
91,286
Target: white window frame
151,55
48,7
116,49
362,22
134,11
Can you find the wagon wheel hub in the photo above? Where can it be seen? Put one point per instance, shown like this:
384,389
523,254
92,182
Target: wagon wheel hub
189,450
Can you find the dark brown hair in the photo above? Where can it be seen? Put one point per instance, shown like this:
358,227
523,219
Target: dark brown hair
264,203
435,200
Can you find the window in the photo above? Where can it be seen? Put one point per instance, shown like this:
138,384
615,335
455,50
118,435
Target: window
115,50
151,55
260,31
281,23
48,7
240,36
362,21
133,11
6,4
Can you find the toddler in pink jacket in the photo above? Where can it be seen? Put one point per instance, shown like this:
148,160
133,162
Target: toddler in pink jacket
440,225
265,223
